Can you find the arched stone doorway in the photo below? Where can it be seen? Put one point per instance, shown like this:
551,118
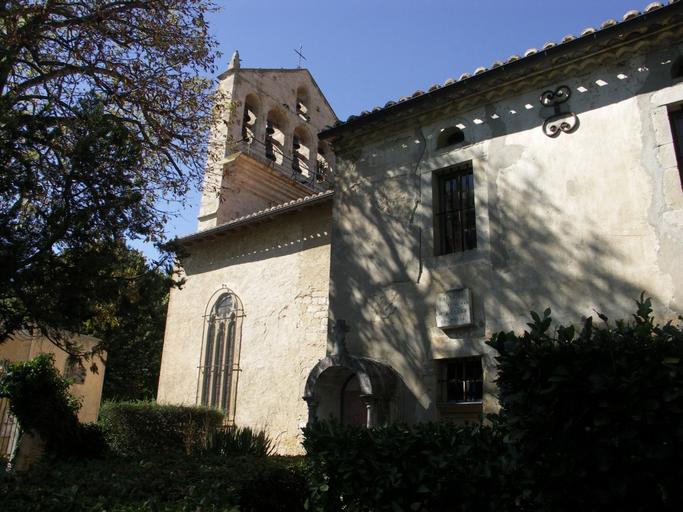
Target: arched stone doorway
353,390
353,411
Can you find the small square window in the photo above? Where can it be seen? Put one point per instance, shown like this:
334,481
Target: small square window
461,380
454,216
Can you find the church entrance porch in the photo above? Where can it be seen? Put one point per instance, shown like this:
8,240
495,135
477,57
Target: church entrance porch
354,390
353,410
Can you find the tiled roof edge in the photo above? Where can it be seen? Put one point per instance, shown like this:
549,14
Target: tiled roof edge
630,17
259,215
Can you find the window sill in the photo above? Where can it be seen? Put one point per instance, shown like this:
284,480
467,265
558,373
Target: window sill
456,258
463,405
460,412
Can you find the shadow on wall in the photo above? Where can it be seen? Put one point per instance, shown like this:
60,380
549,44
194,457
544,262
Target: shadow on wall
537,248
543,256
538,258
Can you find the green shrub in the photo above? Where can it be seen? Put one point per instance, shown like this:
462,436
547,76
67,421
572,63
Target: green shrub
165,483
425,467
591,420
137,428
39,397
240,441
595,417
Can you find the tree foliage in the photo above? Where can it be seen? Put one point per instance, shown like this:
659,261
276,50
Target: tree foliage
103,113
40,399
131,326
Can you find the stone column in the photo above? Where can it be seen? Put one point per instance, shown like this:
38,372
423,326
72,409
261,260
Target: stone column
312,408
370,412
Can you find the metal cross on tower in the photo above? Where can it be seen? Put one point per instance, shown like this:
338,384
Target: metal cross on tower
299,52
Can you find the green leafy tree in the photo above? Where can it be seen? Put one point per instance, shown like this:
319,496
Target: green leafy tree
131,327
103,115
40,399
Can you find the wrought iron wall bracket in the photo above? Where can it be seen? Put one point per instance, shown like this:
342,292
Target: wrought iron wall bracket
560,121
566,123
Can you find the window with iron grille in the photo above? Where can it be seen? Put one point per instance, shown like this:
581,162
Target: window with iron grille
219,363
461,380
454,220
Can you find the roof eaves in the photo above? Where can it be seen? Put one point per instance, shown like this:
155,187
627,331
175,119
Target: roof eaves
261,215
588,37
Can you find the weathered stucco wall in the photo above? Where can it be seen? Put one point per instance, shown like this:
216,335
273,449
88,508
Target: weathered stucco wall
280,271
24,347
581,222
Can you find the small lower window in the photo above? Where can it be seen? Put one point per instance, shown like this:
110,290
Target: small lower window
461,380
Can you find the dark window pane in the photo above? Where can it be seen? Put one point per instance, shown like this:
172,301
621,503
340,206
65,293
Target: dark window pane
224,306
454,393
227,367
454,215
462,380
208,356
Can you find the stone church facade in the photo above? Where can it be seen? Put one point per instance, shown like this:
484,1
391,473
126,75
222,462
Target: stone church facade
549,180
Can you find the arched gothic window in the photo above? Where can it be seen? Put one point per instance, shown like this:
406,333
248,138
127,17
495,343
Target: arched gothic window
220,354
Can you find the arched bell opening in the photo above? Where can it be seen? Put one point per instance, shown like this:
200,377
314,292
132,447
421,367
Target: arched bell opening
301,151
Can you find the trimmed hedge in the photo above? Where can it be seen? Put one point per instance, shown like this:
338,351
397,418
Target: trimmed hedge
432,466
137,428
595,415
166,483
592,420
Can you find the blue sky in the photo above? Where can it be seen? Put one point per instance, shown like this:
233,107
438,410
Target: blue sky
363,53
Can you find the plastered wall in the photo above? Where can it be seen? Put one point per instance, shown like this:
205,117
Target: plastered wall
24,347
581,222
280,271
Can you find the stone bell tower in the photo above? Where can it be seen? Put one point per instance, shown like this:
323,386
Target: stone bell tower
266,151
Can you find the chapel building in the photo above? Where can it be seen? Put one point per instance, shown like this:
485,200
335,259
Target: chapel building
251,319
355,270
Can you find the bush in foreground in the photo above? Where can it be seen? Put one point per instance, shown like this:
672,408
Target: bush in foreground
592,420
432,466
40,399
595,415
138,428
240,441
170,483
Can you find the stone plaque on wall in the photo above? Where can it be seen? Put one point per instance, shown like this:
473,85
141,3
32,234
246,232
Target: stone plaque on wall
454,309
